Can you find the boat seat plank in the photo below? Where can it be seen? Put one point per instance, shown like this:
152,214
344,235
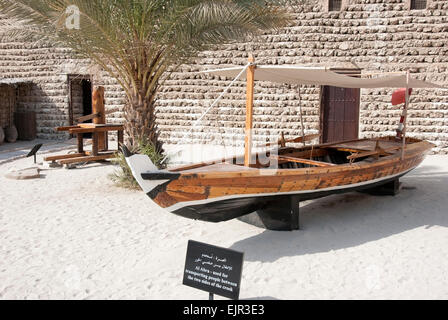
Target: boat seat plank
305,161
352,150
379,152
219,167
366,145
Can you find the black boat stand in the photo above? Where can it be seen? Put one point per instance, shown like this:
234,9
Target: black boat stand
281,214
391,188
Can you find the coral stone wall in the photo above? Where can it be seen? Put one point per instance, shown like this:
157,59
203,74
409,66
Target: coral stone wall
48,95
48,68
7,101
371,35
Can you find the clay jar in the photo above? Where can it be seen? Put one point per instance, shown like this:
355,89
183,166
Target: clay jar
2,135
11,134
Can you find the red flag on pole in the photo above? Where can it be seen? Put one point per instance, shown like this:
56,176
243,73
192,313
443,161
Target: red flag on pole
399,96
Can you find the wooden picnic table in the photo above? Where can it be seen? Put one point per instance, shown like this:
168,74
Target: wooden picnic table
98,131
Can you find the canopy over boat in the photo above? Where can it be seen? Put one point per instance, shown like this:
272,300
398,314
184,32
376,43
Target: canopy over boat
323,76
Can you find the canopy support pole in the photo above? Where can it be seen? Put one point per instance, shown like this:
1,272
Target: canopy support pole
301,116
406,105
249,111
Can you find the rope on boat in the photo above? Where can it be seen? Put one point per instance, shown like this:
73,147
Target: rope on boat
208,110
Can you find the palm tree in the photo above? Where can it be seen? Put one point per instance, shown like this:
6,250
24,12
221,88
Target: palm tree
140,42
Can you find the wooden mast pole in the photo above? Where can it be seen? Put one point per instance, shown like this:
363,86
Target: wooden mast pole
249,111
405,115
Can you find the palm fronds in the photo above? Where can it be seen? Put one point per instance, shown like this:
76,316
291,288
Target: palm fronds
137,41
122,176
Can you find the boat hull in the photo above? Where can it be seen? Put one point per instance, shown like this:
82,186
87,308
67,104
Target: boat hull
228,209
224,191
222,196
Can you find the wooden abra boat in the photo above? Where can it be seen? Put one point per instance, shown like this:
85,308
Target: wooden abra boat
230,188
222,191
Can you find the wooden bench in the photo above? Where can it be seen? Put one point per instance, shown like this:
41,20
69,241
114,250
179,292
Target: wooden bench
84,156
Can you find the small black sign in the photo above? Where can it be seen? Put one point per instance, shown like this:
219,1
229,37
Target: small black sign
34,150
213,269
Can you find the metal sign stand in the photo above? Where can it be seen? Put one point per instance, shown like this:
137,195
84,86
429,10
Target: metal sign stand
33,152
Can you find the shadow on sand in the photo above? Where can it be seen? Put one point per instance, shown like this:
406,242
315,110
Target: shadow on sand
348,220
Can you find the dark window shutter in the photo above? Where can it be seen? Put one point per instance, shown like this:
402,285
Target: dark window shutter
418,4
334,5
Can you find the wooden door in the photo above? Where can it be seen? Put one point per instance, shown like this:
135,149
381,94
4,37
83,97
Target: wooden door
339,114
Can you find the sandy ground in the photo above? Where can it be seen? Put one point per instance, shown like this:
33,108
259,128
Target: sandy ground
74,235
20,149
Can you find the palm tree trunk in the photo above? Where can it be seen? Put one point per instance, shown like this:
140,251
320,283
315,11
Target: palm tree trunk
141,119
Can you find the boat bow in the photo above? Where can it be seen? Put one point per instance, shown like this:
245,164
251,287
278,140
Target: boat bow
148,176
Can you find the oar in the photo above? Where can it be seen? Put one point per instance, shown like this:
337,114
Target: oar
296,140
